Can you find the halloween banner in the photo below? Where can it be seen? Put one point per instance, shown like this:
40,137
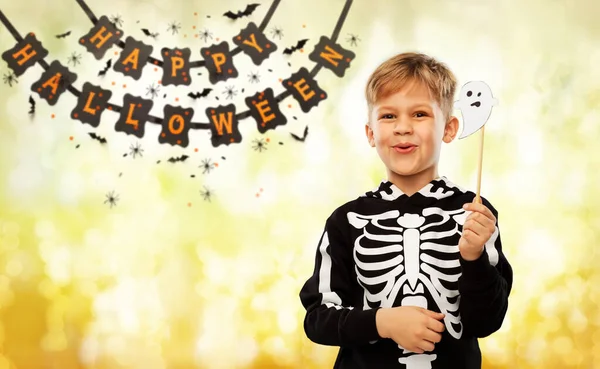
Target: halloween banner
179,67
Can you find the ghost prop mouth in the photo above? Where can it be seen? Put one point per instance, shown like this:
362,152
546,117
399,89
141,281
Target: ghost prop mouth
476,103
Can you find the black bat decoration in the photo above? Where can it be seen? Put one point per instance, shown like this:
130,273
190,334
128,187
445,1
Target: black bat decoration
299,45
250,8
181,158
32,107
303,138
63,35
108,65
148,33
197,95
94,136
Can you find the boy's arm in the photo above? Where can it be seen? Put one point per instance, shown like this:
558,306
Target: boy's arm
484,287
328,294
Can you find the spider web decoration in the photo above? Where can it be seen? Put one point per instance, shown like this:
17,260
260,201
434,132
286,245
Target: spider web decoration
179,69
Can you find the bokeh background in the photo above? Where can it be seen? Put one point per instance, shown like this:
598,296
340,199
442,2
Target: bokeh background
168,278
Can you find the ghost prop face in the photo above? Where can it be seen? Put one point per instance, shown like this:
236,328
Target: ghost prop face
476,102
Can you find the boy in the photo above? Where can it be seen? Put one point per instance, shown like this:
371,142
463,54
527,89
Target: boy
409,275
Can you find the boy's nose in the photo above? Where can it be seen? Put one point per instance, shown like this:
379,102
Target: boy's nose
402,128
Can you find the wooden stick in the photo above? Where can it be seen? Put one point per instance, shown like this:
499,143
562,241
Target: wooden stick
480,165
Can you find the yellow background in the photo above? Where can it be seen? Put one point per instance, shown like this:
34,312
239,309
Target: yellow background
168,280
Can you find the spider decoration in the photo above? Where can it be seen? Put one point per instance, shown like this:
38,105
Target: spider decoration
116,20
277,32
207,166
111,199
174,27
135,150
205,35
254,77
74,58
230,92
206,194
259,145
153,90
9,79
353,39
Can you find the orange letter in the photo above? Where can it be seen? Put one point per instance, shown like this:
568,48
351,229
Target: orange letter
219,59
332,55
102,38
87,108
253,43
222,121
302,89
132,58
177,64
53,81
23,53
264,110
129,120
180,121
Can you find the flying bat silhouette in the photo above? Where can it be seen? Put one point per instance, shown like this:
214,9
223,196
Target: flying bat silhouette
303,138
250,8
197,95
32,103
180,158
148,33
63,35
108,65
94,136
299,45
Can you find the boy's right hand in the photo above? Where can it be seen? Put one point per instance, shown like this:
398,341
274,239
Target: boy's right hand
412,327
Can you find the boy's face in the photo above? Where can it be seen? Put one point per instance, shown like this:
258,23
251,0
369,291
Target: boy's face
407,129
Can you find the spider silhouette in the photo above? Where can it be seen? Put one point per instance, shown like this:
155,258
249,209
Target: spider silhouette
174,27
206,194
116,20
207,166
111,199
135,150
254,77
9,79
74,58
259,145
205,34
153,90
353,39
230,92
277,32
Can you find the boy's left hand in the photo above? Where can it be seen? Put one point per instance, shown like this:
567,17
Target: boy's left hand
477,230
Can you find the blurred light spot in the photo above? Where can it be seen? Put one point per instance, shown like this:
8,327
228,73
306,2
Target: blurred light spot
88,353
287,321
14,268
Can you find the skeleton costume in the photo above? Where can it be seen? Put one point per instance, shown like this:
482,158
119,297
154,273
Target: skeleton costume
387,249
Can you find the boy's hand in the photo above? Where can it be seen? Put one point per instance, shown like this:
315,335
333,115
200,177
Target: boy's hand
412,327
477,230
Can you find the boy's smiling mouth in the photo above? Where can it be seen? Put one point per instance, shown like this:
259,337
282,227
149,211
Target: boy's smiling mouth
405,147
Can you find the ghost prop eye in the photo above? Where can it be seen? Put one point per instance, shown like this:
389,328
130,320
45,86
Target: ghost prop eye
469,93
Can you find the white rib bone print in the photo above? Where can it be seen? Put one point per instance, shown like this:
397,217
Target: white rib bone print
407,257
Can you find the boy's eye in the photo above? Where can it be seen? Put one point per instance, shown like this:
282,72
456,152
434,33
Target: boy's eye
387,116
420,114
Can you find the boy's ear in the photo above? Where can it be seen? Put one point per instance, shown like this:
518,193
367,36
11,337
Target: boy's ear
450,130
369,133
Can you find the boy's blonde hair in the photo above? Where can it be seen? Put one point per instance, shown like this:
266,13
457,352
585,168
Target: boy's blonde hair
392,74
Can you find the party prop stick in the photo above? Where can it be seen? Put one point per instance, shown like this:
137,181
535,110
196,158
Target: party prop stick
476,102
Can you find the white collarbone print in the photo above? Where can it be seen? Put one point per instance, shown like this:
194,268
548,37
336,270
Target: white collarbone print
410,259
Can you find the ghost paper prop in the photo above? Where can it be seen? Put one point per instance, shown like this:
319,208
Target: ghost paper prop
476,102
